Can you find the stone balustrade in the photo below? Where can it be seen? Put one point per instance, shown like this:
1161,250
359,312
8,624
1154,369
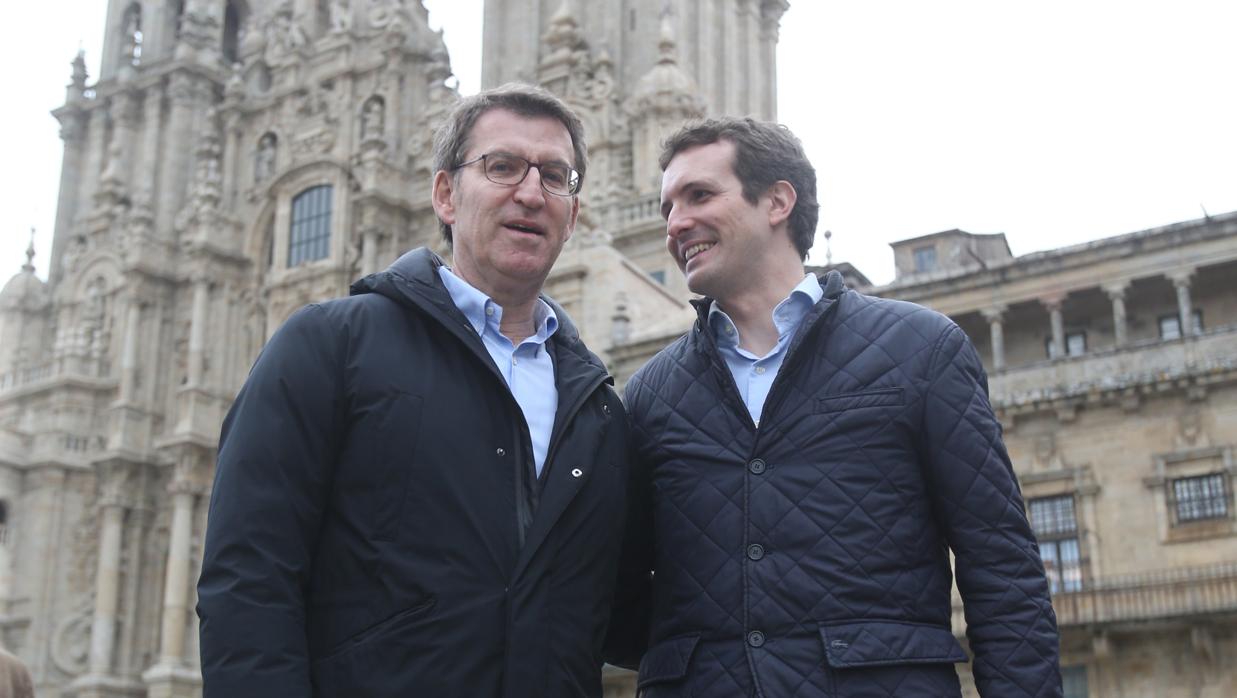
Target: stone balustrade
1136,364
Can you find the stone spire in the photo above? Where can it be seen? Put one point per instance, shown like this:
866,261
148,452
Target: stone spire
28,267
667,88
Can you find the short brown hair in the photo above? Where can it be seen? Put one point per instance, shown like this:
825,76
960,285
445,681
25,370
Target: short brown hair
764,153
451,138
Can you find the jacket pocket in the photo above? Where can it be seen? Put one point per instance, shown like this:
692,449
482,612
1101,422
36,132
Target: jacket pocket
874,643
667,660
379,629
881,397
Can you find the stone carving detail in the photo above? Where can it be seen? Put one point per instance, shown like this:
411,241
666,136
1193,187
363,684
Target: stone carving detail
1190,432
341,16
264,159
373,118
70,643
283,34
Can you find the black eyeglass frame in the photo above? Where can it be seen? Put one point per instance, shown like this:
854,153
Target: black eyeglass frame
574,181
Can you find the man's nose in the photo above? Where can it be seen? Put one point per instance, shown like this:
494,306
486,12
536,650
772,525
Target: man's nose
676,223
529,192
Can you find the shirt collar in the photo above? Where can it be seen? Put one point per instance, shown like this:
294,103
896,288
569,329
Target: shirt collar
481,311
787,315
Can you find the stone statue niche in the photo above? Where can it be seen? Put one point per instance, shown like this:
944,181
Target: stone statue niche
264,157
373,119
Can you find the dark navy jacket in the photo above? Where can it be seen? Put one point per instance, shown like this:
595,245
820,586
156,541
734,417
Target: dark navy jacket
810,557
376,528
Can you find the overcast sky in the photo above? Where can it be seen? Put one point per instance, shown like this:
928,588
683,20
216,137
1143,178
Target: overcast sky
1054,122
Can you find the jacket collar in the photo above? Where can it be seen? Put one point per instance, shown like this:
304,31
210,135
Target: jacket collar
831,282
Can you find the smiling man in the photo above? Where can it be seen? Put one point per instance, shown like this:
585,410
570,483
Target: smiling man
420,488
805,459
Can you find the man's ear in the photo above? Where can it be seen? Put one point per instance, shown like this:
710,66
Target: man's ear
444,187
782,198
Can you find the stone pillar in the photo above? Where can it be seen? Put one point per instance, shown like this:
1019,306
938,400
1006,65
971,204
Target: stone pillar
994,317
197,331
771,12
1181,282
1053,304
129,352
369,252
177,164
107,582
176,587
1116,293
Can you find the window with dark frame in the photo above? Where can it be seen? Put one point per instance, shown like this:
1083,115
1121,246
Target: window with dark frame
925,259
1200,498
1075,345
1170,325
1074,681
1055,523
310,233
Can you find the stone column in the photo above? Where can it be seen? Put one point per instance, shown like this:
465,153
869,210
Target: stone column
994,317
369,252
1116,293
1181,282
197,331
129,352
176,587
1053,304
177,164
771,12
107,574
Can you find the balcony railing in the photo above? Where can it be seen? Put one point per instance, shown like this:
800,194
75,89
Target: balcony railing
1162,594
1115,368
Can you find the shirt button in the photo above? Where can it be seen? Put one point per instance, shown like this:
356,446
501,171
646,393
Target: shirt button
756,638
760,370
729,329
500,452
755,551
756,467
489,310
515,361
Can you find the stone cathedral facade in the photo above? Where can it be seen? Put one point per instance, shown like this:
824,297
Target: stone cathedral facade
232,161
236,159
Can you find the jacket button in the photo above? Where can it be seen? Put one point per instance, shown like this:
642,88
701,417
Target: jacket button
756,638
757,466
755,551
500,452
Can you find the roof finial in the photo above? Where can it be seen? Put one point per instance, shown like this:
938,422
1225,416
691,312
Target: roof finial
29,265
667,43
828,248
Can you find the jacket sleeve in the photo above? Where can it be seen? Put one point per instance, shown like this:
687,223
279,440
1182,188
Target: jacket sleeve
628,632
1011,626
276,455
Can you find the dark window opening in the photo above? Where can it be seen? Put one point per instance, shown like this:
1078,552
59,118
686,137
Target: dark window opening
310,237
231,33
659,276
1055,524
1200,498
925,259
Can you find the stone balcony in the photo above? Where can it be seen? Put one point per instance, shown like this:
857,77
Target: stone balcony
1117,369
1158,595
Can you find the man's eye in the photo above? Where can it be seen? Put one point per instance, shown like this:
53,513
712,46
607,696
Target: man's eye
502,166
554,175
699,194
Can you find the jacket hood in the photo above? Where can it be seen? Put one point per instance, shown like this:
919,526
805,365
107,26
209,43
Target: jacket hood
413,281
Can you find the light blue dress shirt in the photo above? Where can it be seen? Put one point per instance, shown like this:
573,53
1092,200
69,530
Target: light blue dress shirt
754,374
527,368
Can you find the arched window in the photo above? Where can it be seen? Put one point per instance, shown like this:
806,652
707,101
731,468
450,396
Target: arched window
310,236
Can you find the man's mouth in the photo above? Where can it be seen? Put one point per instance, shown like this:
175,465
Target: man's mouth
695,249
524,227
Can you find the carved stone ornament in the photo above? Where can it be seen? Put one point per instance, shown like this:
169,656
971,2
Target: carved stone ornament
70,643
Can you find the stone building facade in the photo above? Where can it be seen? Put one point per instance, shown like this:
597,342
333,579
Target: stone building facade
236,159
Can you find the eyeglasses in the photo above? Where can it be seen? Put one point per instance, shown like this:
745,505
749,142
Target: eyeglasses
509,170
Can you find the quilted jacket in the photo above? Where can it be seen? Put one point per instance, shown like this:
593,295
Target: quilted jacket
810,556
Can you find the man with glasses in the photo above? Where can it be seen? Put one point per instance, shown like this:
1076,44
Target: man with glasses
420,488
806,457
